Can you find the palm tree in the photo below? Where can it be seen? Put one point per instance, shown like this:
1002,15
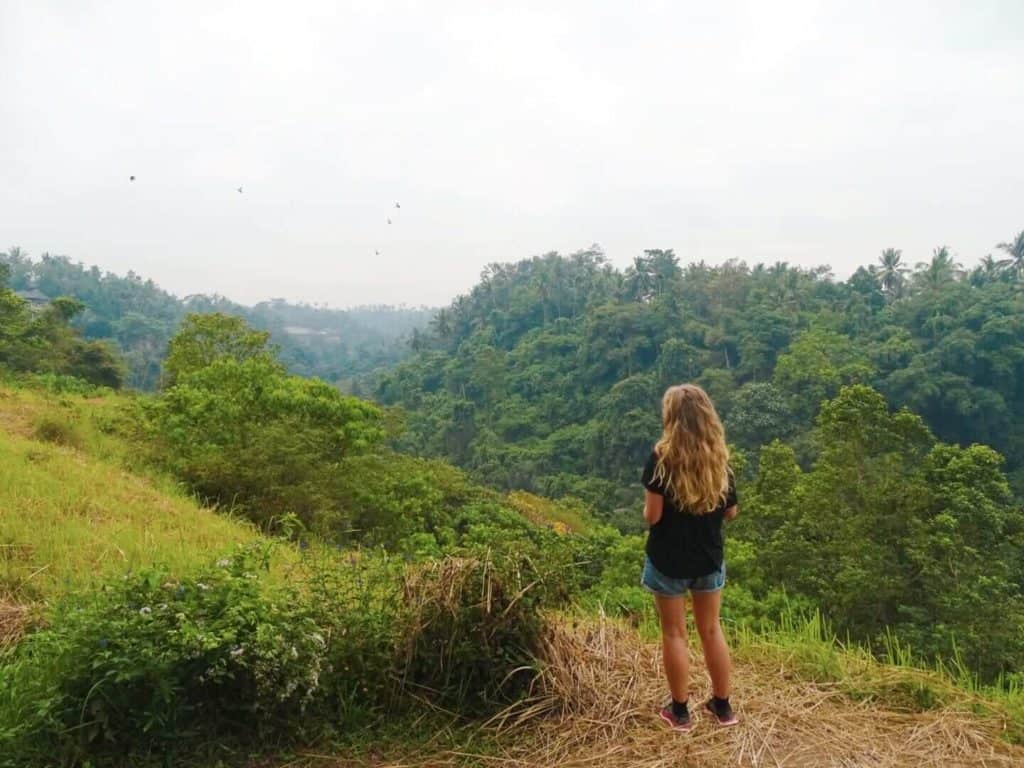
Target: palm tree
891,272
941,269
1014,264
987,271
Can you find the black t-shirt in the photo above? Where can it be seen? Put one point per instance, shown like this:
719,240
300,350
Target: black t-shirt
683,545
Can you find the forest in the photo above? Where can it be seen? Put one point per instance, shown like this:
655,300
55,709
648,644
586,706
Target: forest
139,319
547,374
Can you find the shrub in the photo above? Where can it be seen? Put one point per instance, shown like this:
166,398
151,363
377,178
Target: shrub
62,384
157,665
57,430
247,435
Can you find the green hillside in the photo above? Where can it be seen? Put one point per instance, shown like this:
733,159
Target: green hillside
74,517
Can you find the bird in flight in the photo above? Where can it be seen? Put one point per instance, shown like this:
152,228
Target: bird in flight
376,253
389,220
131,178
239,190
397,205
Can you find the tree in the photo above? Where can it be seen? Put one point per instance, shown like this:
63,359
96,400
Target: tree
759,414
815,366
938,271
885,515
842,545
987,271
891,272
243,433
1014,262
44,342
442,323
204,339
96,362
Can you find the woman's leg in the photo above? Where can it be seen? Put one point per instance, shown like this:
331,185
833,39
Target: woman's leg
676,654
716,653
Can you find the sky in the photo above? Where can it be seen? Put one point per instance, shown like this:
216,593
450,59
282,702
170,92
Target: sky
806,132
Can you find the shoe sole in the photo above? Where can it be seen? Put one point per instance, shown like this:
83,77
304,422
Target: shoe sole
674,726
722,723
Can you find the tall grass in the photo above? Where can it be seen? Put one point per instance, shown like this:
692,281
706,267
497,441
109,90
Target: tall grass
68,520
892,676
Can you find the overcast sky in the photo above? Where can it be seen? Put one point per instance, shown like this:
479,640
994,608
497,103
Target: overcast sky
814,133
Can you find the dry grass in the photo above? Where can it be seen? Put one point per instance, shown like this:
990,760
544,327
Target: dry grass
14,619
595,705
468,631
601,686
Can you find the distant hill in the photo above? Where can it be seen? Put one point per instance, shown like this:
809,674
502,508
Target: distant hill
332,344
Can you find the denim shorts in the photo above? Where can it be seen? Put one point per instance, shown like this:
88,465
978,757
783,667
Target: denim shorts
655,582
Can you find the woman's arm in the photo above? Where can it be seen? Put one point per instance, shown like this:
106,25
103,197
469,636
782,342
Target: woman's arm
653,506
731,512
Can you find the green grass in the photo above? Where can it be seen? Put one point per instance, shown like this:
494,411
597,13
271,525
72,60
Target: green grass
71,516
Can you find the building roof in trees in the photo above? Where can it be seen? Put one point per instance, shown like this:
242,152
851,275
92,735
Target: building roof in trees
34,296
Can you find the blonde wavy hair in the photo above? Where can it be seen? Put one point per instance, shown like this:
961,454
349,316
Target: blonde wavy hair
693,459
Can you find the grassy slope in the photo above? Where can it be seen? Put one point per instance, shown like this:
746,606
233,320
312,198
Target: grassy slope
71,516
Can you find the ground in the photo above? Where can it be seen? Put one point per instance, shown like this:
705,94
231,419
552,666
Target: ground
614,685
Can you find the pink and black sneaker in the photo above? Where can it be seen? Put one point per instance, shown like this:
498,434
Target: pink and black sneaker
676,722
721,710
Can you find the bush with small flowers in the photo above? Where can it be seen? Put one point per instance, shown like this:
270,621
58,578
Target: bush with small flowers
156,665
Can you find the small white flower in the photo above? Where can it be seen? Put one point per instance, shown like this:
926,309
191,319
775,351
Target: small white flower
202,586
295,653
236,652
145,610
223,562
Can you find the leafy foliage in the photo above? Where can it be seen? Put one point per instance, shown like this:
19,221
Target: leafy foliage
893,534
156,663
546,378
241,431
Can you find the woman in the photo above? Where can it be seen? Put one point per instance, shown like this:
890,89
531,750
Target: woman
689,492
